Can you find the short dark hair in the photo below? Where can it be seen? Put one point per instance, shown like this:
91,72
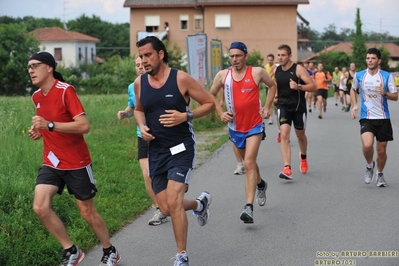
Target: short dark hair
374,51
285,47
270,55
157,44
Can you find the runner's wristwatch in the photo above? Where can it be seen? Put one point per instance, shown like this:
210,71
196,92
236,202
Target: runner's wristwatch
50,126
190,116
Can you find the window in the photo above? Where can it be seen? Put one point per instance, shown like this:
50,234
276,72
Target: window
222,21
92,54
198,22
184,22
152,23
80,54
58,54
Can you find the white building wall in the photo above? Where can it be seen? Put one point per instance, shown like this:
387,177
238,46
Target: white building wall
70,52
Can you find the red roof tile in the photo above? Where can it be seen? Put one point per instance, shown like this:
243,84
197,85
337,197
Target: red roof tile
58,34
346,47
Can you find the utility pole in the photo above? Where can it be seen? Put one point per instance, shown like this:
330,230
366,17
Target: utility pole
380,32
65,2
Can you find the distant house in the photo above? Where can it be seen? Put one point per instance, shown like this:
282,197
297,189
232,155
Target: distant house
346,47
69,48
261,24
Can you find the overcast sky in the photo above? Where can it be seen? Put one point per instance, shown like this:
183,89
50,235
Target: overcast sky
376,15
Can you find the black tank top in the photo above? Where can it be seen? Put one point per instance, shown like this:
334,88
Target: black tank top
291,100
349,81
155,102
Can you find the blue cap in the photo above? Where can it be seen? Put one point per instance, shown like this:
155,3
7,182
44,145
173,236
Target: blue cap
239,45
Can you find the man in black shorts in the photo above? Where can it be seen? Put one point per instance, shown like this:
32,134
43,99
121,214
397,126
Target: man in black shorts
292,82
376,87
61,121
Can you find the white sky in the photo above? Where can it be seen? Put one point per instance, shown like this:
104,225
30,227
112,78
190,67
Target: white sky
376,15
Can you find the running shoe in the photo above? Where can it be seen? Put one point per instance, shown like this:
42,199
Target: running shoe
261,195
310,110
381,180
270,121
368,174
279,137
181,259
320,117
247,215
303,166
203,216
111,259
158,218
240,170
73,259
286,173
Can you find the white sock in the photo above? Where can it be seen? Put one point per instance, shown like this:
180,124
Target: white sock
199,206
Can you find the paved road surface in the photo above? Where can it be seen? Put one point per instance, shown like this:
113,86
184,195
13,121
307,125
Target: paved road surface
316,216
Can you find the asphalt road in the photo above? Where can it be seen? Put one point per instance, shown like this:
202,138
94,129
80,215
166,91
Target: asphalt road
328,216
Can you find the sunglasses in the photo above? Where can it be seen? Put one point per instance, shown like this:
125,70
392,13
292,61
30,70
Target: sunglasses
34,65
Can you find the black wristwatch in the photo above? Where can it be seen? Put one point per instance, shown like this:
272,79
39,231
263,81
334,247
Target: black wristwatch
299,86
50,126
190,116
385,94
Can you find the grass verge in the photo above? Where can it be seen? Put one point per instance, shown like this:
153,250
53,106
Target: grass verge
113,147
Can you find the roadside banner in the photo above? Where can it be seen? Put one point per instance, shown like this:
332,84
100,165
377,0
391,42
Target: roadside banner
216,57
196,56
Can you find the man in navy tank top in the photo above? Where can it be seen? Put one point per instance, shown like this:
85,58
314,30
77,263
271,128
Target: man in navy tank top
162,113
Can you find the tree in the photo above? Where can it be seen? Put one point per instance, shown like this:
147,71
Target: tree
332,59
359,44
15,47
176,58
255,59
114,38
32,23
384,59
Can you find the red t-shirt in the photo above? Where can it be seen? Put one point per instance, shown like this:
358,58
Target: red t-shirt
61,104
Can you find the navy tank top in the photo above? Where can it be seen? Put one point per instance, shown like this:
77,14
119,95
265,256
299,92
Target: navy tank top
155,102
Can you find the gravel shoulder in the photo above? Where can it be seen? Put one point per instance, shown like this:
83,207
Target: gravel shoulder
207,143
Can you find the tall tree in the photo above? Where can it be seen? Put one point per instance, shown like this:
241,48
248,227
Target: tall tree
359,44
15,47
114,38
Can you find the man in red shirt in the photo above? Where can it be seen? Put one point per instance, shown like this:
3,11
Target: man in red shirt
61,122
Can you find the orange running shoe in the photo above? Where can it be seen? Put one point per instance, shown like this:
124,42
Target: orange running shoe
279,137
303,166
286,173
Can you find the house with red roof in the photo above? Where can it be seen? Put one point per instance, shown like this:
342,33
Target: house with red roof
346,47
69,48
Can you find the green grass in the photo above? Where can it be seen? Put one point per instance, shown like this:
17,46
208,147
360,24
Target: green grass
113,147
